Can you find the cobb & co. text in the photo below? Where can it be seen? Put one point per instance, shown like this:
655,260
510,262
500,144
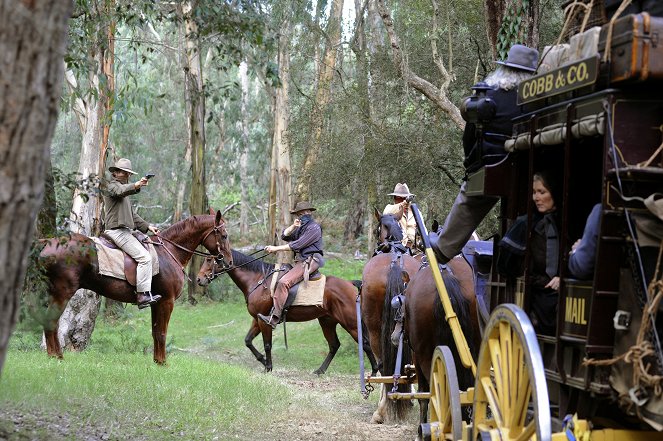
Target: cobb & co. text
572,76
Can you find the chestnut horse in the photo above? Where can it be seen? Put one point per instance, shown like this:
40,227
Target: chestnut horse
382,279
425,326
70,263
253,277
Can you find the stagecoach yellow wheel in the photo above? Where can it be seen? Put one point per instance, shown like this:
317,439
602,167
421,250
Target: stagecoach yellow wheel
510,394
444,412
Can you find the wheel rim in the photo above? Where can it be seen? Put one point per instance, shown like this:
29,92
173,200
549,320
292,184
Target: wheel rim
511,396
444,411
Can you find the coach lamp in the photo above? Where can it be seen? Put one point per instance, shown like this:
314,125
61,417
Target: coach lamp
477,108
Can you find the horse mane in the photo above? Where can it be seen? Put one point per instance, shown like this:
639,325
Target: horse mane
178,227
258,266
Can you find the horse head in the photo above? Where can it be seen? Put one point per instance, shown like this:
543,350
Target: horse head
217,243
388,229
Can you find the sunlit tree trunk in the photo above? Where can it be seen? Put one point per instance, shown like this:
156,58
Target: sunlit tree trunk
321,101
281,149
94,116
32,44
195,110
244,150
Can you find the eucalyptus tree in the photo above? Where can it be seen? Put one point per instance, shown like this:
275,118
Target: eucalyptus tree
32,43
322,96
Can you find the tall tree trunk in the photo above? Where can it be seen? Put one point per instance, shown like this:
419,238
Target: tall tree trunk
195,109
354,221
281,139
244,150
32,43
322,97
77,322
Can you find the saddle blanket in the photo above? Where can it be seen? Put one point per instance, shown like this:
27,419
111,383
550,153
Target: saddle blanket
309,294
111,260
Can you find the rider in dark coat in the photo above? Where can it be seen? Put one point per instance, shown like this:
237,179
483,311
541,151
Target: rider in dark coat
304,237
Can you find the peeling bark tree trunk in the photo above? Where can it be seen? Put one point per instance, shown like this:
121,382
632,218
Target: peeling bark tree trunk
322,97
281,142
32,44
195,109
77,322
244,150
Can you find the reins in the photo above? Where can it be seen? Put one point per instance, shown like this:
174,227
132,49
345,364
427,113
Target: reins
213,274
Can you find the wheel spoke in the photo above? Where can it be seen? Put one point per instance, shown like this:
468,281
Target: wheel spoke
492,398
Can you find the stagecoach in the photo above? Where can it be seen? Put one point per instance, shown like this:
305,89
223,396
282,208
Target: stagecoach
598,123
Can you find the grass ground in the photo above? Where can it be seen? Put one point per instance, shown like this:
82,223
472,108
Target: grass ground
212,387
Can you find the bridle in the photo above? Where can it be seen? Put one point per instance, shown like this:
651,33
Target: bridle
217,230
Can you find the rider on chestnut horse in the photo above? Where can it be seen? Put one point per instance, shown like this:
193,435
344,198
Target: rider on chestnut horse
121,220
305,239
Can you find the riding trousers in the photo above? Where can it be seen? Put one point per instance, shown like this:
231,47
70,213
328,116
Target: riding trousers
290,279
465,216
129,244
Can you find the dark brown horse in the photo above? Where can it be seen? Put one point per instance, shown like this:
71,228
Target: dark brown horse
70,263
382,279
253,277
425,325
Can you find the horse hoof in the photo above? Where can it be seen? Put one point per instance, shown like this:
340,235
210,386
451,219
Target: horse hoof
377,419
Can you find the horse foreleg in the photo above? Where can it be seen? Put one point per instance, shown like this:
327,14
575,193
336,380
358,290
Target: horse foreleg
254,330
329,331
51,327
379,414
266,331
161,312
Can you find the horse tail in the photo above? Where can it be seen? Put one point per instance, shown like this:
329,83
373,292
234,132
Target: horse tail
443,334
396,409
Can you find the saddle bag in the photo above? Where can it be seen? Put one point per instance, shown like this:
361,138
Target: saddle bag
636,54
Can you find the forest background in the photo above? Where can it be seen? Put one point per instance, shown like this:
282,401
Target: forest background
250,106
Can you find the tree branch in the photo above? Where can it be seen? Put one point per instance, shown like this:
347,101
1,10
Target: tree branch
437,96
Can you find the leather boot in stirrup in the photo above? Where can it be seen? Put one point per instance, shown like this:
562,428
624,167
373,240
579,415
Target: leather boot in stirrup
146,298
271,321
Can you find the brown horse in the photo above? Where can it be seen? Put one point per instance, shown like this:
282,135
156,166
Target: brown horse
70,263
253,277
382,279
425,326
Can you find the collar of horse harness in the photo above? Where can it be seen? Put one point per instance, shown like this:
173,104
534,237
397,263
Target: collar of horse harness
218,257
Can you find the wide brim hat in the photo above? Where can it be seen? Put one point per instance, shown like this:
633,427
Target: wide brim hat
521,57
401,190
122,164
301,206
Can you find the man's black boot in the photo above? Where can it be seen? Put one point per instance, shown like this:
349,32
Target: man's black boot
146,298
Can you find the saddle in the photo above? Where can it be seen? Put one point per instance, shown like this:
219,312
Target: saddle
129,263
292,293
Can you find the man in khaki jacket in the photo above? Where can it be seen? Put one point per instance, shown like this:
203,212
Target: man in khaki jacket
401,207
119,222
